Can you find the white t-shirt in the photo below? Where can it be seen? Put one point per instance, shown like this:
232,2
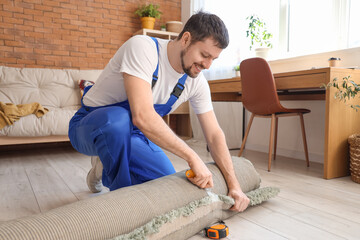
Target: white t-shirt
138,57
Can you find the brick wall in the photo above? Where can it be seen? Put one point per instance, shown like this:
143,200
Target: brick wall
78,34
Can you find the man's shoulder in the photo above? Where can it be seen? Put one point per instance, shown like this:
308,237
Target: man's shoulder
140,45
140,40
143,40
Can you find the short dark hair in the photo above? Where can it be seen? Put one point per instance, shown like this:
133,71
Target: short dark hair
204,25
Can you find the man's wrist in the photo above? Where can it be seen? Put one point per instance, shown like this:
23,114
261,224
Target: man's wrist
233,183
190,156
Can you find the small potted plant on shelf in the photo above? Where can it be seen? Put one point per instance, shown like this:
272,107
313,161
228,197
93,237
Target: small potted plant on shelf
163,28
237,70
259,36
347,89
148,13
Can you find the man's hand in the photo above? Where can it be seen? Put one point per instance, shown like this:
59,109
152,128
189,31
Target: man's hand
241,200
203,177
216,141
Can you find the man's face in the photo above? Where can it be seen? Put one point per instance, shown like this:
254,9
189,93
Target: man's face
198,56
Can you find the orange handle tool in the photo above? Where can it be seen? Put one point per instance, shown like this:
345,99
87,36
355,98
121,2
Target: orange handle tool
189,173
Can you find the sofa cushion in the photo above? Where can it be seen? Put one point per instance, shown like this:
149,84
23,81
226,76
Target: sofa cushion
55,89
55,122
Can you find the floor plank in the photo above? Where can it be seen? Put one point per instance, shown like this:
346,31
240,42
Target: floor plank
329,222
17,196
49,188
284,225
70,173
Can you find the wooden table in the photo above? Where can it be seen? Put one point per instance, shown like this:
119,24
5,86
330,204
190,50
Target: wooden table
340,120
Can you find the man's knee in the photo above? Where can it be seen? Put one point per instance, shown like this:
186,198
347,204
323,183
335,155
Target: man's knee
108,127
113,120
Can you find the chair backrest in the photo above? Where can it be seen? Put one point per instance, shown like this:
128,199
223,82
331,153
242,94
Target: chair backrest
259,94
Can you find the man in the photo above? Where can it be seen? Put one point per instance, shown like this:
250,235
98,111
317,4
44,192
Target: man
121,117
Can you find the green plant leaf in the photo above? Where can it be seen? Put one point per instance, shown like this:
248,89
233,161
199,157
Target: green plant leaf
149,10
346,90
257,32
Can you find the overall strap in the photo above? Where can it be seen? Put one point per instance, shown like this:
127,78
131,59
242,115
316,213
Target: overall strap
156,72
178,89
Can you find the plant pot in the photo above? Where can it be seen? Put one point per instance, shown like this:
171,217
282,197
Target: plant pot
174,26
147,22
354,149
262,52
237,73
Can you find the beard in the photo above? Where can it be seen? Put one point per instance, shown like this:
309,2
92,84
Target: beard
187,70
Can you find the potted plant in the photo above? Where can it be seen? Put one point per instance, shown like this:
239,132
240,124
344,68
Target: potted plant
163,28
237,70
148,14
260,38
347,89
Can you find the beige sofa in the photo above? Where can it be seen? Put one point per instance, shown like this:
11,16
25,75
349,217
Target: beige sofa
55,89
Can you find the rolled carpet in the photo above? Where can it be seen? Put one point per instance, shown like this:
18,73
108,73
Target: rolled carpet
166,208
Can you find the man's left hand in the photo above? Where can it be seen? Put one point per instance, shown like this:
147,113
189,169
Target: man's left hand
241,200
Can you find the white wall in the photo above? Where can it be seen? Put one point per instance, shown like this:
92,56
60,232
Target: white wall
229,116
289,136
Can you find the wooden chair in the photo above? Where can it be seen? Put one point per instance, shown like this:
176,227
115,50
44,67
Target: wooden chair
259,96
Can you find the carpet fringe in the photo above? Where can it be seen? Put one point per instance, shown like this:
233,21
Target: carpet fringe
256,197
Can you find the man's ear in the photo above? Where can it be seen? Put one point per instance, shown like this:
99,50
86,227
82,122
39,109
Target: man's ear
186,39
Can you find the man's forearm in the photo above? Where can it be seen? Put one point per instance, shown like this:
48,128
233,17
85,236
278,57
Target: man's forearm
155,129
221,155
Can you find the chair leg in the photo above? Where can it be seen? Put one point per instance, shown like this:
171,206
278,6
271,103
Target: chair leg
273,119
275,137
246,134
304,139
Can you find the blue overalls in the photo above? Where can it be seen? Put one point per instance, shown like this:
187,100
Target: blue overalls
128,157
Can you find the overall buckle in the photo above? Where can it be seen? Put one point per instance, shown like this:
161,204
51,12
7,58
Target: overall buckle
178,89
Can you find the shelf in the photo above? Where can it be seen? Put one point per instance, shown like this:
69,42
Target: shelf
157,33
179,121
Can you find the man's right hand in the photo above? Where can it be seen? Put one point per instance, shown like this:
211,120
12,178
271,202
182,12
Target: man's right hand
203,176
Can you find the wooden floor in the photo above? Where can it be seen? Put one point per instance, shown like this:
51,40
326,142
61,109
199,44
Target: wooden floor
308,207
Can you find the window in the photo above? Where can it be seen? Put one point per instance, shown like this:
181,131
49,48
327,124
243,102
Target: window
299,27
354,20
234,14
317,26
311,30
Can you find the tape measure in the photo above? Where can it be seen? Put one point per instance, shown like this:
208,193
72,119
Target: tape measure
217,231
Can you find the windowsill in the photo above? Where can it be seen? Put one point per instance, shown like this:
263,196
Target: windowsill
350,58
298,56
